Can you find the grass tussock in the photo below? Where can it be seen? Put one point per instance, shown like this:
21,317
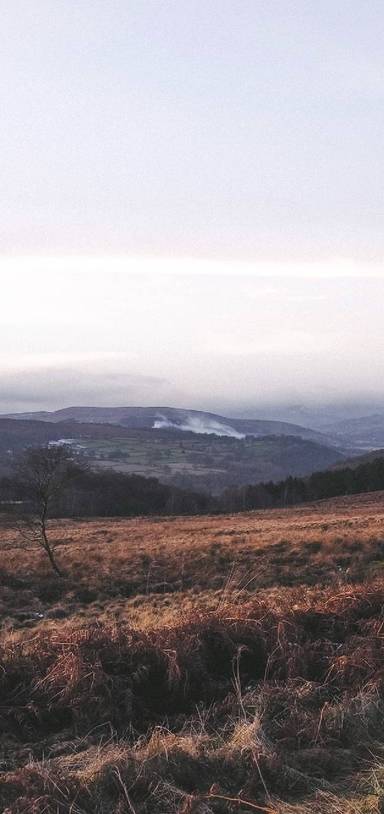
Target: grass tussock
239,699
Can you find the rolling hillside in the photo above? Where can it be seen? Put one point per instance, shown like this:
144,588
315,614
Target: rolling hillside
201,462
196,421
366,432
213,665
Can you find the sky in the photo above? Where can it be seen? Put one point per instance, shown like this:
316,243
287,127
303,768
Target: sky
191,198
203,339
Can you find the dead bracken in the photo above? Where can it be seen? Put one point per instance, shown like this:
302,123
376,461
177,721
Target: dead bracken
161,690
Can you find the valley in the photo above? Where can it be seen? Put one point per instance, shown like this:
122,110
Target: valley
196,450
208,462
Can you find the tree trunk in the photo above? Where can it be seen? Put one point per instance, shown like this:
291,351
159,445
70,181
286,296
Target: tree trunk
46,545
52,560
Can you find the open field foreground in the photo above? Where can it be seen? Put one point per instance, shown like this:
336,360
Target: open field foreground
199,665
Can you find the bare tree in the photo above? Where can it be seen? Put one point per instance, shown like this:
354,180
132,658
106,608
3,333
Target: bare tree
44,474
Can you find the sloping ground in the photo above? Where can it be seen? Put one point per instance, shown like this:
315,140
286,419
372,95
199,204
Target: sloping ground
366,431
357,460
199,666
186,459
198,420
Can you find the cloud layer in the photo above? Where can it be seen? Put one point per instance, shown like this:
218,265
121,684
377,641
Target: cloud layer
195,340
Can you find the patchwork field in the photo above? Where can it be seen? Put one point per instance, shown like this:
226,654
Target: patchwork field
196,665
207,462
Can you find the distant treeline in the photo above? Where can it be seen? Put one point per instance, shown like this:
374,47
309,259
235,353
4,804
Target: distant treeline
367,477
109,494
113,494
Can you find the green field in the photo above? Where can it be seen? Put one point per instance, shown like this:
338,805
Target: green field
207,461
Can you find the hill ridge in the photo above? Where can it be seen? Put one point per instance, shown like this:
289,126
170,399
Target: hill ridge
198,421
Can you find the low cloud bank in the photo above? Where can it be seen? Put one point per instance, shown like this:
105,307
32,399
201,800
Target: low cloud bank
197,425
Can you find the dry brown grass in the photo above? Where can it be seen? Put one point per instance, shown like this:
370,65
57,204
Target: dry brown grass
197,665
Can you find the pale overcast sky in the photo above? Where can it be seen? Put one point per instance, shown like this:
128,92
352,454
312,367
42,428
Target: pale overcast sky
219,340
191,201
242,128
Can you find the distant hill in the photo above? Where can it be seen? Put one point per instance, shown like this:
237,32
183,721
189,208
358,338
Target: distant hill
197,421
24,432
185,459
366,432
15,435
358,460
354,476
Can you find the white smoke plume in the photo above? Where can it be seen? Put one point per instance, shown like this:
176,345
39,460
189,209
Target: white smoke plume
197,425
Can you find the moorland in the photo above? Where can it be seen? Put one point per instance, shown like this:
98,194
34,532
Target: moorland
210,664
